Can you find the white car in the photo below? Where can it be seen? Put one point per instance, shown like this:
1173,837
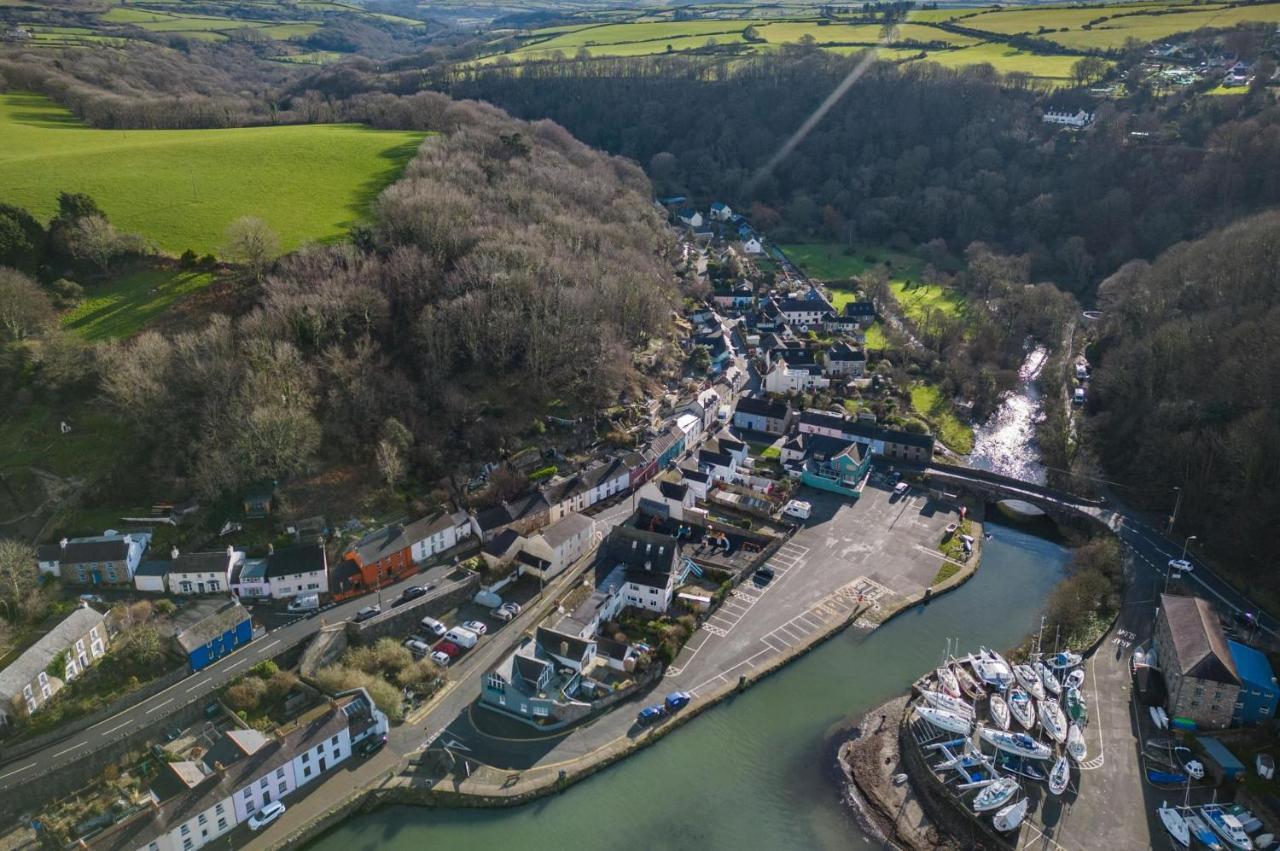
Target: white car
901,488
434,627
263,817
441,658
477,627
501,613
418,648
514,608
1180,565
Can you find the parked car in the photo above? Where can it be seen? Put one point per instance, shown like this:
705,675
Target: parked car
651,715
798,508
449,649
368,612
477,627
372,745
413,592
678,700
441,658
764,575
514,608
462,637
1077,398
263,817
417,648
304,603
1180,565
900,489
501,613
433,627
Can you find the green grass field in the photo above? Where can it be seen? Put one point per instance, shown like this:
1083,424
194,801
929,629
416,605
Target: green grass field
181,188
1006,59
125,304
947,427
830,261
916,298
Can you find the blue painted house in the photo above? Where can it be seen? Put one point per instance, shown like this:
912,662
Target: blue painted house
215,636
834,465
1259,693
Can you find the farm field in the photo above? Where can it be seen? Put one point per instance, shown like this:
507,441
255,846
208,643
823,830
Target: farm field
307,182
829,261
125,304
1006,59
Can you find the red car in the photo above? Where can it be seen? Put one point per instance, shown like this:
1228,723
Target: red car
449,648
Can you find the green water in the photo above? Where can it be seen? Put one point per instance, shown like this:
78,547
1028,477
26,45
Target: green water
755,772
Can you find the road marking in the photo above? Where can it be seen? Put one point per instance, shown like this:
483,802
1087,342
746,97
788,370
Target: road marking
159,706
236,664
69,750
203,682
17,771
117,727
272,644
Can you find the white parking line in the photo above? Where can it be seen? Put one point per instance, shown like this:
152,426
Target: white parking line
159,706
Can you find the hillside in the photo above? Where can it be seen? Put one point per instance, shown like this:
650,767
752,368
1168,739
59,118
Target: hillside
181,188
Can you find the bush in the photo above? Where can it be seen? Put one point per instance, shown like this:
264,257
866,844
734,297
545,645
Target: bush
164,608
423,676
208,262
66,293
543,473
189,259
338,678
246,695
387,656
281,684
265,669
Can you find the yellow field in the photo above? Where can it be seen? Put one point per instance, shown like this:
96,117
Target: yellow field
1006,59
777,32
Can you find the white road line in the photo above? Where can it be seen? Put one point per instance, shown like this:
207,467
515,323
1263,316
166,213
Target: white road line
69,750
272,644
17,771
198,685
236,664
117,727
159,706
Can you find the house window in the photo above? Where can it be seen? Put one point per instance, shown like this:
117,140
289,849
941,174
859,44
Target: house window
263,784
306,757
248,804
247,794
187,844
283,790
306,772
334,741
185,830
154,846
222,824
218,809
279,773
214,585
202,820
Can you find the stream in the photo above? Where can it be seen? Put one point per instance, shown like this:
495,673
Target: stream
1006,443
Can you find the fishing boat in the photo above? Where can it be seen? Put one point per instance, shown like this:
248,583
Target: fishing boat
995,795
1076,747
1022,707
1047,679
991,668
1154,712
971,687
1029,680
1226,826
938,700
1077,708
1200,830
1019,744
1053,721
1166,778
1059,776
1010,817
1065,659
1175,824
945,720
1075,679
947,682
999,711
1192,766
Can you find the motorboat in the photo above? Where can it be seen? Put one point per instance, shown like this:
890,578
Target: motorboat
1047,679
947,682
1053,721
1059,776
1077,708
1065,659
1200,830
1154,712
938,700
1175,824
1192,766
971,687
1248,820
1024,767
1022,707
1076,747
1019,744
995,795
1010,817
999,711
991,668
944,719
1227,826
1029,680
1075,679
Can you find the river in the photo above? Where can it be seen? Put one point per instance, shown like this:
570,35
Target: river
1006,443
755,772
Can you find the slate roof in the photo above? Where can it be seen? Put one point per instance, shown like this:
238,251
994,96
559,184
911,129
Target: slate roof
36,658
501,542
761,408
612,649
569,526
1198,640
425,527
90,550
647,557
210,562
528,669
550,640
380,544
304,558
49,552
844,352
152,567
205,630
673,490
859,309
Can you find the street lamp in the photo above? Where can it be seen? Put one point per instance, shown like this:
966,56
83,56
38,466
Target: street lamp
1186,544
1173,518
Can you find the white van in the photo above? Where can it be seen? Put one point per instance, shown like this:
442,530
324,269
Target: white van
798,508
462,637
305,603
433,627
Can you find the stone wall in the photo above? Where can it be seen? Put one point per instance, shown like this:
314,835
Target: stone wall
405,619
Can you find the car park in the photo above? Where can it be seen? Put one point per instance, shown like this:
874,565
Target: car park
476,626
764,575
651,715
441,658
417,647
368,612
433,627
263,817
372,745
678,700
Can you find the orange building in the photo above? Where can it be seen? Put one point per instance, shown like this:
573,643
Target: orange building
377,560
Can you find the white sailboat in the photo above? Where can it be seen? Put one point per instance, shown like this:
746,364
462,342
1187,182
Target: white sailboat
947,682
1063,660
944,720
1022,707
1010,817
970,686
938,700
1053,721
1019,744
1060,776
1175,824
1029,680
1047,679
992,669
1076,748
995,795
1200,830
1075,679
999,711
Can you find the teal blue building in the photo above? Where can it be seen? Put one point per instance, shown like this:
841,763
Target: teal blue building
835,465
1259,693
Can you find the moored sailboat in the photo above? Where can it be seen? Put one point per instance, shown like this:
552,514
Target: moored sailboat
1022,707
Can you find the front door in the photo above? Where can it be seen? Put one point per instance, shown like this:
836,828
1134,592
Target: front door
322,765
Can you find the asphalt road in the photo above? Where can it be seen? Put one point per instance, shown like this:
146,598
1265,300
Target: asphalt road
195,687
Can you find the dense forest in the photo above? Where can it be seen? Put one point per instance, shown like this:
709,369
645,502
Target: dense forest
914,154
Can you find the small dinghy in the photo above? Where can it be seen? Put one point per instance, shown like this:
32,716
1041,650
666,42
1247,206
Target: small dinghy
1022,707
1018,744
1029,680
1077,708
1059,776
995,795
1047,679
1175,824
1200,830
945,720
1154,712
938,700
971,687
1053,721
1010,817
999,711
947,682
1227,826
1166,778
1075,679
1076,747
1192,766
1065,659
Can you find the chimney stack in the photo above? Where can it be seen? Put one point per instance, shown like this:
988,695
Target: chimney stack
173,552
